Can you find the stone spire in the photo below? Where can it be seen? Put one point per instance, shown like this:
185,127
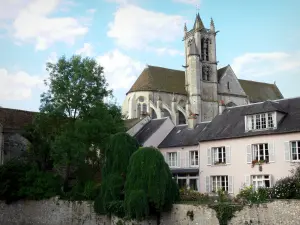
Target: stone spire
198,25
212,25
185,28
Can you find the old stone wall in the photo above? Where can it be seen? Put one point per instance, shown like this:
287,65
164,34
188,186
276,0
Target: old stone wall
50,212
57,212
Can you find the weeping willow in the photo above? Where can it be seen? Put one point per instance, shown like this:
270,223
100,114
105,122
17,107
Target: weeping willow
148,176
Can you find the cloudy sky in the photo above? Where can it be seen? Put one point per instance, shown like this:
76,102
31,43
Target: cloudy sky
259,39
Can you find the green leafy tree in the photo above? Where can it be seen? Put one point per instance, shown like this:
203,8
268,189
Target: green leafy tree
76,92
150,180
116,159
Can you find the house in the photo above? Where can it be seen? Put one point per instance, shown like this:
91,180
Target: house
181,151
12,123
254,144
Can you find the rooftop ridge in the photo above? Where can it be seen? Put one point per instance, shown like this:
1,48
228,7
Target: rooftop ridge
254,81
257,103
20,110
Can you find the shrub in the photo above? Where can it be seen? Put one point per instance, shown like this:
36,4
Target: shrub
249,195
37,185
190,195
10,175
285,188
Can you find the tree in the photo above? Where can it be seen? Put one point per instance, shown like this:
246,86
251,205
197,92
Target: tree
149,187
76,92
116,159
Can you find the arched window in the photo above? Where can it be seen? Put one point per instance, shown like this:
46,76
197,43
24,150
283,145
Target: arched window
144,109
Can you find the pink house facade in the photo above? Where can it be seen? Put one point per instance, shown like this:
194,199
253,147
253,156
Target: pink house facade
228,164
255,144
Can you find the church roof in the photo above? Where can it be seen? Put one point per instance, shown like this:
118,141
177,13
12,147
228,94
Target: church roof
161,79
155,78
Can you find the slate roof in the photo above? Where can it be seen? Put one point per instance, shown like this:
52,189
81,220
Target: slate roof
162,79
259,92
167,80
15,119
231,124
150,128
181,135
129,123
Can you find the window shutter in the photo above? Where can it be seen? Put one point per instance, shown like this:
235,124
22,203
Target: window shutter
287,151
271,152
208,156
178,159
207,184
187,159
247,180
249,154
246,124
271,180
230,184
165,157
228,154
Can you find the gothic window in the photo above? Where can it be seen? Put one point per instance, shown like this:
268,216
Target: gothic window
206,73
205,49
144,109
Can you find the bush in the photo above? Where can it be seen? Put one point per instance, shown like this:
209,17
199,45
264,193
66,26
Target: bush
19,180
37,185
190,195
10,175
249,195
285,188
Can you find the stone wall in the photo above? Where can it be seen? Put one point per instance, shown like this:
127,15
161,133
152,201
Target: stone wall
57,212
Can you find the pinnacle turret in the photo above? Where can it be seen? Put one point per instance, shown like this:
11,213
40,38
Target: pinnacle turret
212,24
198,25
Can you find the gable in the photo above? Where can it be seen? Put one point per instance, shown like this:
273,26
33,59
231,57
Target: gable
229,83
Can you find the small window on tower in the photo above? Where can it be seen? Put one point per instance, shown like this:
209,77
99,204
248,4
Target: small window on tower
228,86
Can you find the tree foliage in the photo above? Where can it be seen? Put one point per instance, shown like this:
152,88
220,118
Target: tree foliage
148,173
117,155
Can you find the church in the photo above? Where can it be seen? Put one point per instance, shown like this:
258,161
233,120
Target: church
196,91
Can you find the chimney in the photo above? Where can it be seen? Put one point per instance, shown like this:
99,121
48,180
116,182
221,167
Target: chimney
192,121
222,107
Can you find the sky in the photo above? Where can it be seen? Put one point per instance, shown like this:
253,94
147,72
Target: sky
259,39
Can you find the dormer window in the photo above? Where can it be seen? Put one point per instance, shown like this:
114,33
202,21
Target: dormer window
260,121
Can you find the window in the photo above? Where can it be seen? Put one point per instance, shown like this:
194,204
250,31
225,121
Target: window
260,152
194,158
182,183
219,156
261,121
193,184
228,87
219,182
144,109
261,181
172,159
295,145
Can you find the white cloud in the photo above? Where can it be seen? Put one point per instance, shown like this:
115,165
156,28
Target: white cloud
19,85
263,64
120,70
86,50
190,2
31,21
134,27
168,51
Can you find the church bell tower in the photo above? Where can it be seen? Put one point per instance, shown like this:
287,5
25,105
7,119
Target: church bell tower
201,78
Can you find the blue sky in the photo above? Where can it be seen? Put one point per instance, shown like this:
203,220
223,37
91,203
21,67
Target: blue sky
259,39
